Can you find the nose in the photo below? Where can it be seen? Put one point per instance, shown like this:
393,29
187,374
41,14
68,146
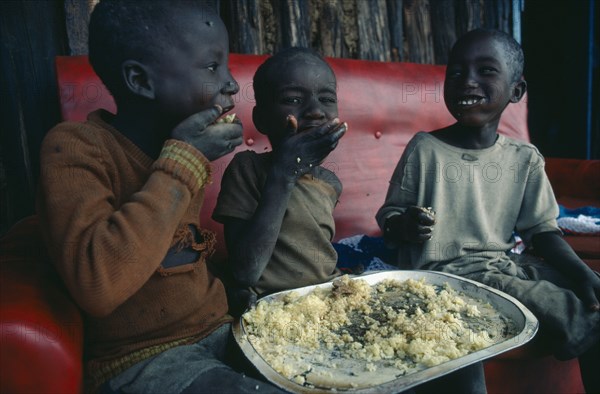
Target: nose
230,87
470,79
314,109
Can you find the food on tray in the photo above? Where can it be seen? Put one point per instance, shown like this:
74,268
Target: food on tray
354,334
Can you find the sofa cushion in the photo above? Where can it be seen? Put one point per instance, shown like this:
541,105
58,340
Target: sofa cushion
40,326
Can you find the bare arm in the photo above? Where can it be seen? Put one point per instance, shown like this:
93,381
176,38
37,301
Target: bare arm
250,243
557,252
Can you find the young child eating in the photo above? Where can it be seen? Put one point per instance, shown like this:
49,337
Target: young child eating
482,187
120,199
277,207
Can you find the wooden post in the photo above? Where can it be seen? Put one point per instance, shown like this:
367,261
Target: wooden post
395,15
326,28
373,33
443,29
77,17
417,29
295,23
244,24
468,16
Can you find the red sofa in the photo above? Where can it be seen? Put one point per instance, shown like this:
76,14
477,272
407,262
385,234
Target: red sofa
384,105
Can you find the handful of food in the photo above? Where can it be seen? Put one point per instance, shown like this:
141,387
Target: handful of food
229,118
356,334
428,210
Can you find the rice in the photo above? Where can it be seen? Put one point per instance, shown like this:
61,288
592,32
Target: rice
406,325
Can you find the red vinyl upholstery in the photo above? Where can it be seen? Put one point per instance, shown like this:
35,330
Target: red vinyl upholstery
41,328
384,105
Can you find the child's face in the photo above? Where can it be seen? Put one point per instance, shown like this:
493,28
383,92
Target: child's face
193,75
306,89
478,84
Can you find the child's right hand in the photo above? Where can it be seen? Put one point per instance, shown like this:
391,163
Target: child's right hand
302,151
414,225
213,140
240,300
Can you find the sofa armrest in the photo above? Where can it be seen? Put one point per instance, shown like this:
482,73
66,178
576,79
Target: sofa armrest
41,328
575,182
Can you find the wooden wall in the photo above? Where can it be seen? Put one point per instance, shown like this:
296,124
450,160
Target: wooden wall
35,31
419,31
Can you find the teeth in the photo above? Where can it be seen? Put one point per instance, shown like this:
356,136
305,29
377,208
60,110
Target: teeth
467,101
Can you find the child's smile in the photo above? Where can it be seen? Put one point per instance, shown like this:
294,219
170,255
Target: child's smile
478,85
469,101
481,80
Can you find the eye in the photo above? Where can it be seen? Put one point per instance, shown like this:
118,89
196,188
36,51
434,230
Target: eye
328,99
291,100
487,70
212,67
453,73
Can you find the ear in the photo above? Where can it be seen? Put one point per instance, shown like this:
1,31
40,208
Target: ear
137,79
518,92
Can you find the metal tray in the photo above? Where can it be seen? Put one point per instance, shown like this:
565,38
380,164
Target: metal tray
525,322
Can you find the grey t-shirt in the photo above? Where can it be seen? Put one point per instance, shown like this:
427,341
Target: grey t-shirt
480,198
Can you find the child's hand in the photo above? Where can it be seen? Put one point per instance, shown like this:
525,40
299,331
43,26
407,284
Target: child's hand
240,300
213,140
302,151
588,290
414,225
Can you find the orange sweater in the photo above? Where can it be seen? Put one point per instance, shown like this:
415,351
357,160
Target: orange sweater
109,214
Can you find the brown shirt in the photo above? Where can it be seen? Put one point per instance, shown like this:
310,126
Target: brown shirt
303,254
110,214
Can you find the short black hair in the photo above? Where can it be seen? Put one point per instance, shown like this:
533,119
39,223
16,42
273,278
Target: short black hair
515,59
262,78
121,30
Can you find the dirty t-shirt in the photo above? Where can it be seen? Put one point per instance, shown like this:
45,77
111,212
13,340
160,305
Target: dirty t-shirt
481,197
303,254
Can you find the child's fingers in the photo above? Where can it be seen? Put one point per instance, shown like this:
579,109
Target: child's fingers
230,131
197,122
330,127
424,232
339,131
588,296
292,124
208,116
422,216
426,219
334,136
232,143
414,211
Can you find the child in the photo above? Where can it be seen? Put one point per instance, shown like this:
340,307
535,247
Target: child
121,195
277,207
482,186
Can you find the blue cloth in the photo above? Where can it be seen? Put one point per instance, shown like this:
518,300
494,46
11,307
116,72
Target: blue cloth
583,220
564,212
363,253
